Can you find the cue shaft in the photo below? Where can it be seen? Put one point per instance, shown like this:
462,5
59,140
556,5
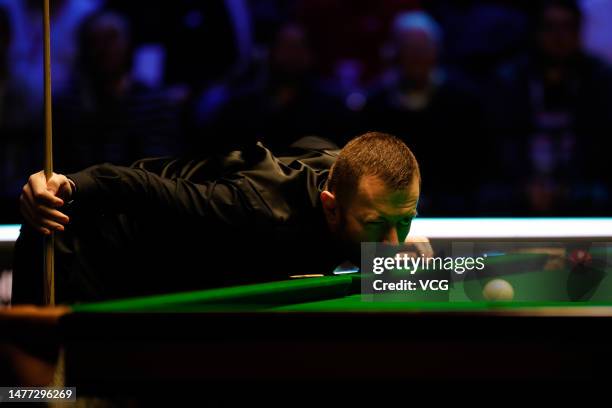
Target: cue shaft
49,262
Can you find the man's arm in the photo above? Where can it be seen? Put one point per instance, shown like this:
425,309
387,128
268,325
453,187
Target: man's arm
108,187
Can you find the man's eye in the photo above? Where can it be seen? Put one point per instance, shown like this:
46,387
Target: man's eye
406,221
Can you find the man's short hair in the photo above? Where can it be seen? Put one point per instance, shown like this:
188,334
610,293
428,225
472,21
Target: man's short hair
570,5
417,21
373,154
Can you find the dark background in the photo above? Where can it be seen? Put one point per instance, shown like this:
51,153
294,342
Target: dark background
506,104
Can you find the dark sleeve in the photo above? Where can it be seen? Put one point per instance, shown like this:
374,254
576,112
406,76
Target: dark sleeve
109,187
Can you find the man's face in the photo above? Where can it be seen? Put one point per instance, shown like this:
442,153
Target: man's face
375,214
559,35
291,55
417,54
109,48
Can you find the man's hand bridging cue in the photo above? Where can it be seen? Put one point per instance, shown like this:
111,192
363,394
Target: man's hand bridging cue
40,199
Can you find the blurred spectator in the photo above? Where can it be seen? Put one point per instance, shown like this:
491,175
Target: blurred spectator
480,34
347,34
597,32
27,52
287,102
268,16
15,109
438,116
16,123
552,114
104,115
204,40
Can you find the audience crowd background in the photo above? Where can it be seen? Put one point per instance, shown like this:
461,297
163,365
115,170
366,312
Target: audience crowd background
506,104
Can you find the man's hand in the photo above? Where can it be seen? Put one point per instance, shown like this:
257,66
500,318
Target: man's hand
40,199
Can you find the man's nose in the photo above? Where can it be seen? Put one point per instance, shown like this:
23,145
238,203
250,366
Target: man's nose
391,237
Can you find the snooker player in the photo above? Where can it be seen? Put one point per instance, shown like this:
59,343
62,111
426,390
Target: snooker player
166,225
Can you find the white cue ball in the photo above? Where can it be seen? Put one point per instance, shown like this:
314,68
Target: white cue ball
498,289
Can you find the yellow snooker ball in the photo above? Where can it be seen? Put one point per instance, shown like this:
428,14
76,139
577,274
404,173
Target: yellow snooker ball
498,289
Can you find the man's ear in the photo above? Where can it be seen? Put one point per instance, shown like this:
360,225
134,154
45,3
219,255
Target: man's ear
330,207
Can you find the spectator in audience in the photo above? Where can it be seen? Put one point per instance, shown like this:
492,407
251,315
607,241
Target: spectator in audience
26,55
347,34
17,119
479,35
597,32
105,115
207,41
436,114
285,104
15,110
551,111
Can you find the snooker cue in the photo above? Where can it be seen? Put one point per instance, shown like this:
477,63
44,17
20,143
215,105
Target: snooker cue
49,254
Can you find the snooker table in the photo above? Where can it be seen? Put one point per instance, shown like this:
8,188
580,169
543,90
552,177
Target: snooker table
323,330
